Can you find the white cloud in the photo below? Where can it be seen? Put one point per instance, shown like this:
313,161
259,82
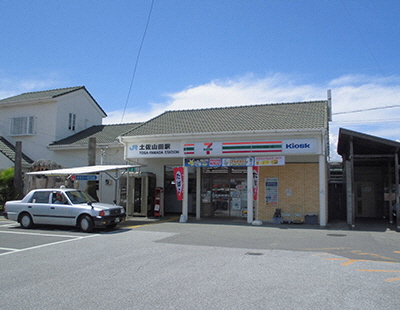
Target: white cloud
11,86
377,99
349,93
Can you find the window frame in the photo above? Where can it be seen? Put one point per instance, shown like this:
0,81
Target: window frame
22,126
72,121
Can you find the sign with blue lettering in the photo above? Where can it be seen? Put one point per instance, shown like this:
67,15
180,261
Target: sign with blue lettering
86,177
299,146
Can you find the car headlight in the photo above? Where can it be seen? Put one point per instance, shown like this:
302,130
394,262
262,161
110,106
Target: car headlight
122,210
104,213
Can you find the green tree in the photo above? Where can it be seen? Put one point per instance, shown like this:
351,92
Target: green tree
7,189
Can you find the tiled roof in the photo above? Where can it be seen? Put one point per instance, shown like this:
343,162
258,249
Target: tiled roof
104,134
283,116
46,94
8,150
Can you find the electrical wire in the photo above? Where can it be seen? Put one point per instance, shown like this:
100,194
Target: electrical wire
369,109
368,48
137,60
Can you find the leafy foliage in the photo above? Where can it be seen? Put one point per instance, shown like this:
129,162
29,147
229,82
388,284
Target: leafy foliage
7,189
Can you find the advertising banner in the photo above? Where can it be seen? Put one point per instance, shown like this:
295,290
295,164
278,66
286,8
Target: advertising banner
270,161
255,183
271,191
235,162
178,175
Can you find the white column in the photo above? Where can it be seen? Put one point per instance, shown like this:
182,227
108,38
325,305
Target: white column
322,191
250,215
185,201
198,192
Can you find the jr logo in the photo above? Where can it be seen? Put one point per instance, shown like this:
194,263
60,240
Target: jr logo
133,148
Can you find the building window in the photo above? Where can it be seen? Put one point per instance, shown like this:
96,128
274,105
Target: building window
22,125
72,121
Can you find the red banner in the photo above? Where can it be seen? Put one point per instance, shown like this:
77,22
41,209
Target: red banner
255,182
178,174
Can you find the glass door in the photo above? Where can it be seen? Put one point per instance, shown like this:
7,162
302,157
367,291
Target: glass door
220,195
238,195
224,192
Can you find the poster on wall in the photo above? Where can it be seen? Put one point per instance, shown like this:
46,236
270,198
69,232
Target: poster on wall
238,162
255,183
270,161
271,191
179,181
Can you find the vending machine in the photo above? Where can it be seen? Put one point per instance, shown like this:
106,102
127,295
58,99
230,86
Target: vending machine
159,202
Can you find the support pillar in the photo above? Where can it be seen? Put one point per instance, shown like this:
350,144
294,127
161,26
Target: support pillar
323,214
198,193
250,202
396,163
185,201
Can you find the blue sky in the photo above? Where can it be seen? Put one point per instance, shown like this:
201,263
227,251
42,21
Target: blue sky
202,53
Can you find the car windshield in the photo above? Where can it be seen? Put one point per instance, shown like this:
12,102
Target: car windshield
79,197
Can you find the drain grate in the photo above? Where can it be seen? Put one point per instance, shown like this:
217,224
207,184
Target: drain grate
336,235
254,253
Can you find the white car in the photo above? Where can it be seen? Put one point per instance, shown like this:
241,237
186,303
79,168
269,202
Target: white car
64,206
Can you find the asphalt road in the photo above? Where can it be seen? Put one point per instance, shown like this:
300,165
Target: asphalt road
198,265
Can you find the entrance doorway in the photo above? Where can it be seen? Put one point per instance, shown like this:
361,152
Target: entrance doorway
137,193
224,192
365,199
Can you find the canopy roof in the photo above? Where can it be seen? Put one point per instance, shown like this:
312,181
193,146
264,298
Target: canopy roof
85,170
364,144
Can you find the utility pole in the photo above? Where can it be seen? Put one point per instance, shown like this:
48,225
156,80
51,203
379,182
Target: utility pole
92,151
91,186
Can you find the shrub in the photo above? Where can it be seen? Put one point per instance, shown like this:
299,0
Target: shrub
7,189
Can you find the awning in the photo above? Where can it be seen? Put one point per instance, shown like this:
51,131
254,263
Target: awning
85,170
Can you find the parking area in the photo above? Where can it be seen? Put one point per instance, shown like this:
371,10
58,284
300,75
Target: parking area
15,239
158,264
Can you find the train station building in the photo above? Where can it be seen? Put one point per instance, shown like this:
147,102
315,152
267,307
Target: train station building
258,162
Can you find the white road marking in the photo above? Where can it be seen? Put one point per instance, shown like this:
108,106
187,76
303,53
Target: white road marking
39,234
71,238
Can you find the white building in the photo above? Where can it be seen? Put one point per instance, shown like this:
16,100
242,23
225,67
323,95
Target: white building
220,150
38,119
55,125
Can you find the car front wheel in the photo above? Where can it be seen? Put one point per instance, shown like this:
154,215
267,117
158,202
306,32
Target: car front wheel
26,221
85,223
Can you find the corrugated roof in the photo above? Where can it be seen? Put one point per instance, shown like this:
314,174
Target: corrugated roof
283,116
8,150
104,134
47,94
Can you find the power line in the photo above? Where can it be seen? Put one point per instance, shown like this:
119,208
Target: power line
137,59
368,48
369,109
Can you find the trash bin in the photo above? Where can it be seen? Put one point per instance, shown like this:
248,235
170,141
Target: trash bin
207,209
311,218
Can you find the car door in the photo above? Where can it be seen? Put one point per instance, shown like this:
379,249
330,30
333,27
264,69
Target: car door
60,210
39,207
